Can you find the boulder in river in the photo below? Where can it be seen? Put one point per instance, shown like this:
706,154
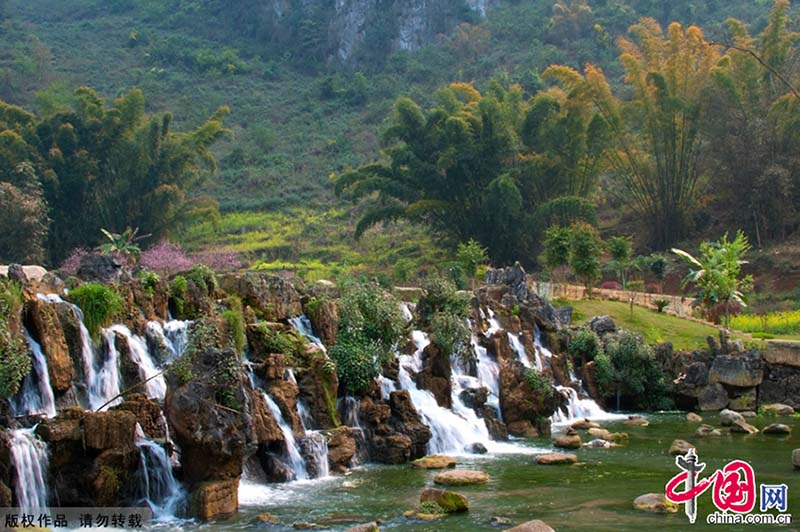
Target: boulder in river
707,430
476,448
680,447
778,409
693,418
450,501
367,527
796,458
777,428
435,461
584,424
743,427
568,441
712,397
654,502
531,526
729,417
461,477
556,459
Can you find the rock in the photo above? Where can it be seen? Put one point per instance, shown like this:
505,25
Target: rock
324,316
148,415
499,521
707,430
741,426
272,297
304,525
777,409
729,417
267,518
265,426
777,428
748,414
48,332
680,447
584,424
317,383
568,441
783,353
745,401
109,430
656,503
367,527
341,448
742,369
95,267
693,418
531,526
556,459
602,325
413,514
712,397
523,429
27,273
450,501
216,498
461,477
600,443
406,421
796,458
476,448
474,398
603,434
637,421
435,375
435,461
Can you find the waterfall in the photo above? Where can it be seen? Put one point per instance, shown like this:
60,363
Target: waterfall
296,462
387,387
36,395
306,418
519,349
315,447
158,487
106,384
451,431
488,374
351,412
155,385
303,325
174,335
494,325
407,313
29,458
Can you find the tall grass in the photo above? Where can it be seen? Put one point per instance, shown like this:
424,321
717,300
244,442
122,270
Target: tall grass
772,323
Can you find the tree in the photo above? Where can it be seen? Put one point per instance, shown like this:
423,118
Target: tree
584,253
23,223
658,267
471,255
656,135
619,247
481,166
716,273
556,248
123,244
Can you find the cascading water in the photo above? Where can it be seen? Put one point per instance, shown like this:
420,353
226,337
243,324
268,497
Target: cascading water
315,447
106,385
158,487
30,461
295,459
488,374
303,325
174,335
36,395
155,385
519,349
351,411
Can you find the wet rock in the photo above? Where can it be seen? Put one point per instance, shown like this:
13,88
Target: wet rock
265,426
367,527
476,448
406,420
693,418
584,424
461,477
777,409
796,458
781,385
707,430
523,429
680,447
148,415
303,525
267,518
497,429
656,503
474,398
499,521
531,526
450,501
712,397
95,267
602,325
777,428
216,498
46,329
568,441
324,316
392,449
603,434
318,387
435,375
435,461
109,430
748,414
744,401
556,459
600,443
341,448
272,297
729,417
637,421
741,369
743,427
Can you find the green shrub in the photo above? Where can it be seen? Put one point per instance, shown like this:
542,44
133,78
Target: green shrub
450,333
149,280
233,321
368,311
661,304
100,304
285,342
15,363
585,345
539,383
177,291
358,361
471,255
203,277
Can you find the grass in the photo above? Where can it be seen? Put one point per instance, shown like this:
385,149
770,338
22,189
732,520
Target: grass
773,323
654,327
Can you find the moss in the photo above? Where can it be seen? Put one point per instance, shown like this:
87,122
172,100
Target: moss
431,508
14,360
100,304
177,292
233,323
330,404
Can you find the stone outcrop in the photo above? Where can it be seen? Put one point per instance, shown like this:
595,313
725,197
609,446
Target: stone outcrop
324,316
435,375
395,432
271,297
740,369
98,268
46,329
341,448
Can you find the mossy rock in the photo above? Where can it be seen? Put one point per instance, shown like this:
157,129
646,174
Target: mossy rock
449,501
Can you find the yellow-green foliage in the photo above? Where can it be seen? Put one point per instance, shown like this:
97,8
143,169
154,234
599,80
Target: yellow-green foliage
99,304
772,323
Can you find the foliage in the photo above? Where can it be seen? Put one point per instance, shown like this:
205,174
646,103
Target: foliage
15,362
165,258
277,341
619,247
450,333
370,313
661,304
24,220
233,323
716,273
100,304
471,255
556,248
358,361
431,508
71,264
450,165
203,278
584,253
787,322
629,369
122,244
585,345
150,280
540,384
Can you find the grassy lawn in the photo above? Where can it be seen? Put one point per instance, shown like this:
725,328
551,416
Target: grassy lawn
655,327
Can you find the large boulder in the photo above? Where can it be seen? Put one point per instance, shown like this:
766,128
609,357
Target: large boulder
449,501
712,397
272,297
602,325
324,316
778,409
777,428
796,458
318,386
680,447
742,427
341,448
570,440
531,526
741,369
435,375
461,477
46,328
95,267
556,459
435,461
148,415
729,417
406,420
216,499
655,503
781,385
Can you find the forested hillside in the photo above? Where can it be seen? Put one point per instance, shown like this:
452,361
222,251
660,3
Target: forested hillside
311,88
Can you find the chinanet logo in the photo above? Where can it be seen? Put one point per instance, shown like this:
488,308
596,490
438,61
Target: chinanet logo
733,493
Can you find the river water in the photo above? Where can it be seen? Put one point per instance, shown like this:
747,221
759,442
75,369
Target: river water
594,495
